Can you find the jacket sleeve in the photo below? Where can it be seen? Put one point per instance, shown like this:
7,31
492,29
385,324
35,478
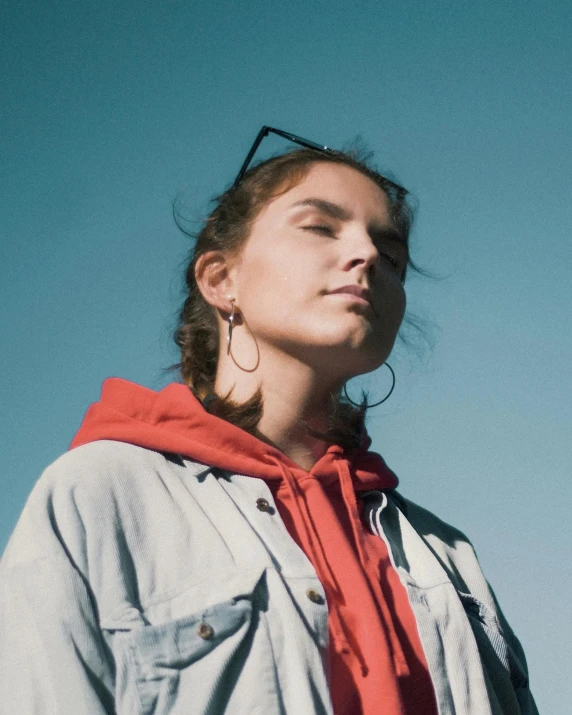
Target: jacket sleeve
53,657
518,664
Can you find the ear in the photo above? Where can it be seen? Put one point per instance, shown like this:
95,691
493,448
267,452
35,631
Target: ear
214,280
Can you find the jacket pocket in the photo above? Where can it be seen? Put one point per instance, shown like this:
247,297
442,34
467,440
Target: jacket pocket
188,665
499,658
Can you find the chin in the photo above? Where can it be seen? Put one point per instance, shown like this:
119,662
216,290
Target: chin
350,349
369,355
368,348
365,366
356,359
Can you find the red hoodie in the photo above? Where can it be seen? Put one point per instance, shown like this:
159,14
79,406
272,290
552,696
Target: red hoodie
376,659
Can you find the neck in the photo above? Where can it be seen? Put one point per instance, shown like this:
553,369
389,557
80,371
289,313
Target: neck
295,397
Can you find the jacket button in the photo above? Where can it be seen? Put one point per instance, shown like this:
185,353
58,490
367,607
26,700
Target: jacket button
314,596
205,631
263,504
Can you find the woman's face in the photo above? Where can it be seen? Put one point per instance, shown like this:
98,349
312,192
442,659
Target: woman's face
320,275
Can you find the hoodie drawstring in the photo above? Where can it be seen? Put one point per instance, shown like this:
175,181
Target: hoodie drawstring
348,494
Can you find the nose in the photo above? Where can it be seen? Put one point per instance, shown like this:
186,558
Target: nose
362,253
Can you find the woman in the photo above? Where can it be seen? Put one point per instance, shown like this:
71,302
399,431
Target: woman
230,545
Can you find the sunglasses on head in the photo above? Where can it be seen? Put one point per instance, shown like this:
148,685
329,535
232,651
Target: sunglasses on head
396,192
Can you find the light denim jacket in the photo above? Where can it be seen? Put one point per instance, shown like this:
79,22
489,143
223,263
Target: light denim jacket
142,583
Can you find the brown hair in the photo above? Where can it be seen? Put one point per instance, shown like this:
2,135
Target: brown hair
226,229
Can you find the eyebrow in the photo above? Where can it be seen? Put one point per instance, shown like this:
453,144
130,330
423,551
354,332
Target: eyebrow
330,209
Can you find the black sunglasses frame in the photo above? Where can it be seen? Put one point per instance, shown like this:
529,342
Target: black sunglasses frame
264,132
400,191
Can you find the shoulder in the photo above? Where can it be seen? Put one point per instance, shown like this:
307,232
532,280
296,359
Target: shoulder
106,459
428,524
88,476
89,494
110,479
105,467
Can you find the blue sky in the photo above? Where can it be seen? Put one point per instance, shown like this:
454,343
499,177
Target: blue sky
110,110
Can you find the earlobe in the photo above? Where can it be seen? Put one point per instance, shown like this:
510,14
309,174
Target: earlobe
213,279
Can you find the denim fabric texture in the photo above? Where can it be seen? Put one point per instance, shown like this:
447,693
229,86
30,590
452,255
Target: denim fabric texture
142,583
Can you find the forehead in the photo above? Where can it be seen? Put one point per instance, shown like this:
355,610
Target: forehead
338,184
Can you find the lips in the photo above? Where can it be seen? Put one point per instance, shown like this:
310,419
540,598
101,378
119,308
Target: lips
356,290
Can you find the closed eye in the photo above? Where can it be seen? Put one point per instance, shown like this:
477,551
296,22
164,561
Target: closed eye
320,228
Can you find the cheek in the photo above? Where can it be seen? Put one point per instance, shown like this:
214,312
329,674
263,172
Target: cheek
400,303
289,282
391,312
265,293
392,298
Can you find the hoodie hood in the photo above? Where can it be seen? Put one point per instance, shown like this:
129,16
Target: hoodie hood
174,421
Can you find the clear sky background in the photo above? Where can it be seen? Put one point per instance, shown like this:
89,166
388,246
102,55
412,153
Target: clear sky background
110,110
